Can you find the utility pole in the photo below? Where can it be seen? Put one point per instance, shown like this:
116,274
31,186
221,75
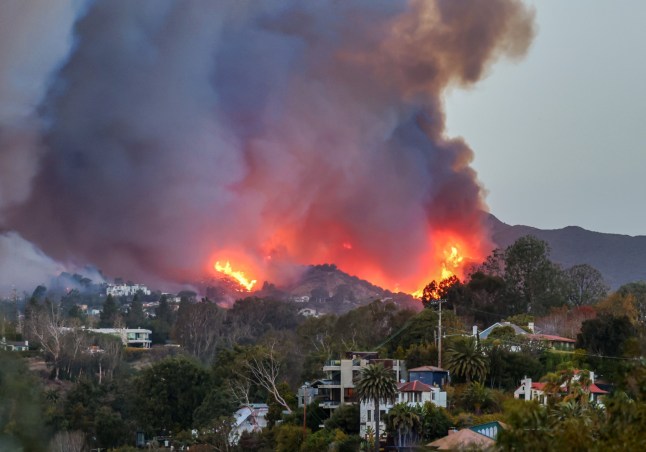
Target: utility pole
439,333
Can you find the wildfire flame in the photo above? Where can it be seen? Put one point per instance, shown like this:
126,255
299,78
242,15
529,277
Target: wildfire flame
239,276
452,262
451,265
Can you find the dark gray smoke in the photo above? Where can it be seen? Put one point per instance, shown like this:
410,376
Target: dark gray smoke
268,133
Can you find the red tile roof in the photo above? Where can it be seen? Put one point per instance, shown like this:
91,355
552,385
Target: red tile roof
549,337
539,386
414,386
596,389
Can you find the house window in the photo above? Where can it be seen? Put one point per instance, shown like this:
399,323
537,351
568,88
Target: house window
369,417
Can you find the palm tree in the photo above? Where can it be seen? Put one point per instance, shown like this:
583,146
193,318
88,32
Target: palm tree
376,383
406,421
467,359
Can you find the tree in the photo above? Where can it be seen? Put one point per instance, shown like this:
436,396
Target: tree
109,313
21,410
135,317
376,383
405,421
476,396
45,326
200,328
466,359
585,285
345,418
263,368
435,421
534,281
605,335
169,392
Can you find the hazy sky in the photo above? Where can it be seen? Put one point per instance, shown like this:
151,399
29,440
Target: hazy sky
560,137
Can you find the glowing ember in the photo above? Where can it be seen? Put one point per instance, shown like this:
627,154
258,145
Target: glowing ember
237,275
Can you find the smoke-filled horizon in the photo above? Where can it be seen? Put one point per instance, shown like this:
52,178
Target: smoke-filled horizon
169,135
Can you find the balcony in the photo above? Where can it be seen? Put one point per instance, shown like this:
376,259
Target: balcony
329,404
331,365
329,384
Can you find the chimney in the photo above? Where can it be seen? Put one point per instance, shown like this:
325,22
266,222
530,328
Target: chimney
530,325
475,330
452,430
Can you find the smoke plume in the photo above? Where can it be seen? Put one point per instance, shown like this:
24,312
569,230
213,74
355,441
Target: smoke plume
271,134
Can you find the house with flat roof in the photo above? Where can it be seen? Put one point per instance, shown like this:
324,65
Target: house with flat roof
337,388
13,346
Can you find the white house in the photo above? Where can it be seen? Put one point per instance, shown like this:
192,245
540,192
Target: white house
529,390
132,337
249,418
119,290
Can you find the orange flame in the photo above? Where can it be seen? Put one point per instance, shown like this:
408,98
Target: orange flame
239,276
452,262
451,265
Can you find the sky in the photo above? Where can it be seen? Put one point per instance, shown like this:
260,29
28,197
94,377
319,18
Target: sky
560,136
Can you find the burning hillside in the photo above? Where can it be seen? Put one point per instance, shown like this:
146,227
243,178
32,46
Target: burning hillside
251,138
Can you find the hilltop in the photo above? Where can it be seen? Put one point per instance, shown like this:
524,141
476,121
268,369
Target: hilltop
620,258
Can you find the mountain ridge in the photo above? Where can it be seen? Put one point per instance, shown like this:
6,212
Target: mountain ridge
620,258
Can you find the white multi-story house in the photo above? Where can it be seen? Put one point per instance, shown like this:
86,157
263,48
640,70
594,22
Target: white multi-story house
121,290
338,386
412,393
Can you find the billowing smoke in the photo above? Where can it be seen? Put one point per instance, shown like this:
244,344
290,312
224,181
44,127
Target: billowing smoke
269,133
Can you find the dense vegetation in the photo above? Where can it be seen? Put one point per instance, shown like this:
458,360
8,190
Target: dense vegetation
92,392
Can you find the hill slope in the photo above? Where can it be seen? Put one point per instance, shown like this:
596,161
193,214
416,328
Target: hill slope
620,258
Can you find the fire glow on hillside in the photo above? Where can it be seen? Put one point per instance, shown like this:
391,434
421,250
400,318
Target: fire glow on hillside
237,275
440,264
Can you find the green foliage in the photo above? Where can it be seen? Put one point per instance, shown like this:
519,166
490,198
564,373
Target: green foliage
476,397
466,359
109,313
135,317
345,418
507,368
288,438
605,336
169,392
405,423
435,422
420,355
21,407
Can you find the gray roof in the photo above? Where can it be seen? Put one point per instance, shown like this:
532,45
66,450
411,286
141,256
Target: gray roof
486,332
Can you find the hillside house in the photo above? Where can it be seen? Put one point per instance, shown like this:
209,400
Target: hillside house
12,346
430,375
551,341
249,418
338,386
530,390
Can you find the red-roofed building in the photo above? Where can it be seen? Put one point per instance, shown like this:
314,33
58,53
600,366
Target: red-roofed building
529,390
413,393
556,342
